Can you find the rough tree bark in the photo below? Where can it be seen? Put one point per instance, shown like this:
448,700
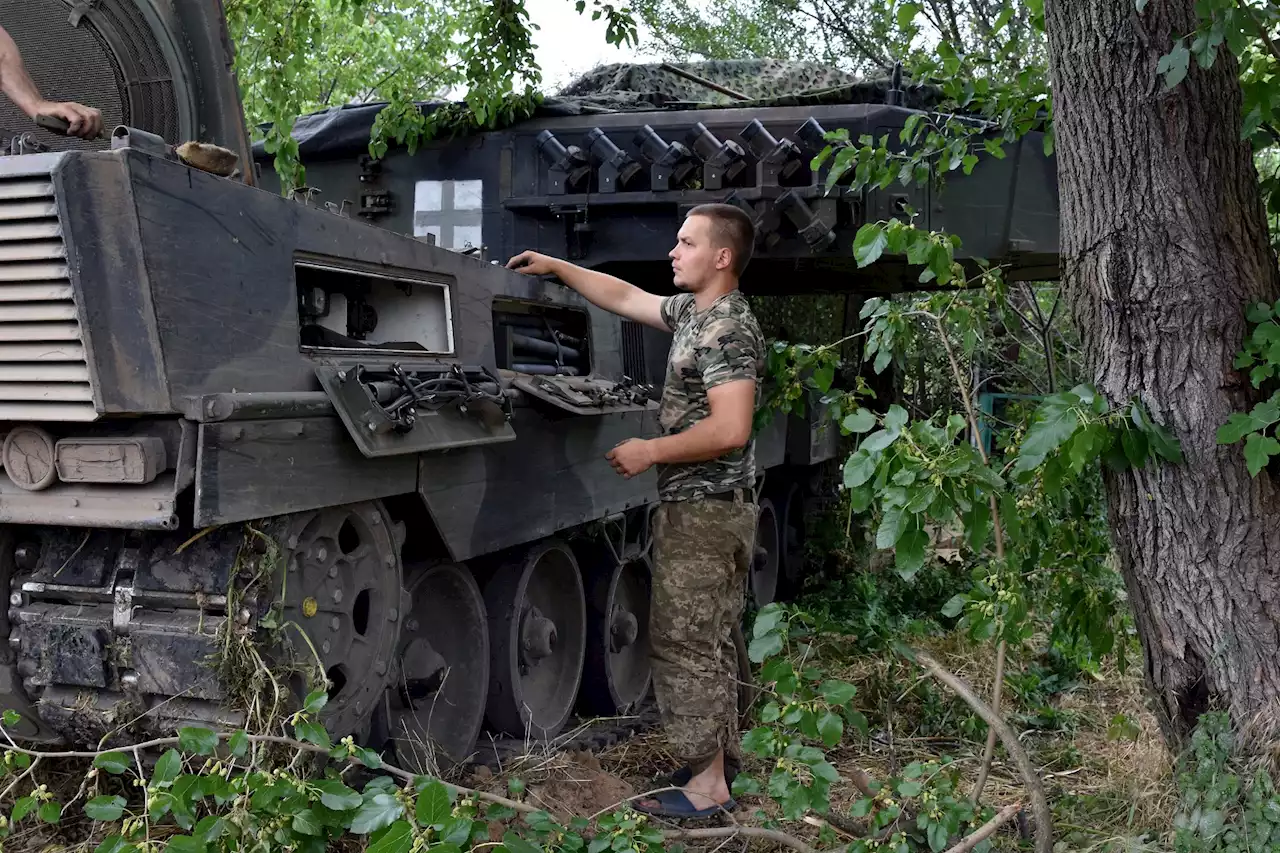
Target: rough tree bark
1164,240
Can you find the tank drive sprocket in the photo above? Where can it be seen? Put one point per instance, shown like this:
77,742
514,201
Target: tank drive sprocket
343,599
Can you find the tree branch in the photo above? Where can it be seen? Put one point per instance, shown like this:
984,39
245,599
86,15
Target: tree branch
405,776
1035,789
402,775
1262,30
988,829
740,831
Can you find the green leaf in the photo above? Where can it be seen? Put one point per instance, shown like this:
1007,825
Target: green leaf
831,728
337,796
858,469
457,831
1054,424
860,421
112,762
824,771
198,740
1174,64
955,605
433,804
11,718
115,844
1134,444
516,844
938,831
1258,450
836,692
823,377
758,741
1165,444
769,618
23,807
1259,312
890,528
910,552
51,812
969,162
368,757
307,823
397,838
895,419
1240,424
763,647
239,743
315,701
910,789
105,808
869,244
184,844
906,15
313,733
167,768
377,811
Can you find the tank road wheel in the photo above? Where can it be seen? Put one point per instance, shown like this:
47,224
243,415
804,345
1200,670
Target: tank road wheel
791,531
538,639
437,704
764,567
343,588
617,672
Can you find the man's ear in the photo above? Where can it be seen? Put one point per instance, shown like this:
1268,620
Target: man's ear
724,258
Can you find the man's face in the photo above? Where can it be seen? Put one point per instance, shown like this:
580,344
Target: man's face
695,261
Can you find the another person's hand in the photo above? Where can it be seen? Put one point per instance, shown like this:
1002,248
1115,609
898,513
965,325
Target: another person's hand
632,457
86,122
532,263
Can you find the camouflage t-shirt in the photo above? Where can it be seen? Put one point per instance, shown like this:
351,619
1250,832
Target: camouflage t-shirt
708,348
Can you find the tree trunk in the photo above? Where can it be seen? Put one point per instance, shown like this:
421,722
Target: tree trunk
1163,242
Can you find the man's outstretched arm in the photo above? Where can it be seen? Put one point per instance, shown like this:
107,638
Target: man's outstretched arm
603,291
18,86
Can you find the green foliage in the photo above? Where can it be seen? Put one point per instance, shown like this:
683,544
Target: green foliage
272,800
1225,807
806,713
1260,356
1025,522
931,792
297,56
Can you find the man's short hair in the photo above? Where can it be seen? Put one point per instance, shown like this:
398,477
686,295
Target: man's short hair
731,228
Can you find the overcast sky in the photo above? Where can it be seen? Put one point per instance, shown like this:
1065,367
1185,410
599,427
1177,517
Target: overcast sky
569,44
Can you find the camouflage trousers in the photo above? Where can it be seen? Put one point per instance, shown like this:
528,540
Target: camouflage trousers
702,551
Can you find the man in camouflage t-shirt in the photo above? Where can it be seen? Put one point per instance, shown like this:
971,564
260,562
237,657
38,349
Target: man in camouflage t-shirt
704,529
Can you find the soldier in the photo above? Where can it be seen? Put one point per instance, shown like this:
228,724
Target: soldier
704,532
86,122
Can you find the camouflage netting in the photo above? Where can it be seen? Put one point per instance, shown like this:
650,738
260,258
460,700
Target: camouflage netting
630,87
773,82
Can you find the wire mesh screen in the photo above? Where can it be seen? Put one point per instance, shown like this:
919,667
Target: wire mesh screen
96,66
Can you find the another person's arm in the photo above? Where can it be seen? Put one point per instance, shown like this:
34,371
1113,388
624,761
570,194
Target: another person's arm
18,86
604,291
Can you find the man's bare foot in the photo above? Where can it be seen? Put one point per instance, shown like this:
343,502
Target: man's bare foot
705,792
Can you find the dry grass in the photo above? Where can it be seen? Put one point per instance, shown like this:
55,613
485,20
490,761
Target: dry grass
1108,792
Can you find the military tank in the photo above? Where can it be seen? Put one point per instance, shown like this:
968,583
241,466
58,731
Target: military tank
252,442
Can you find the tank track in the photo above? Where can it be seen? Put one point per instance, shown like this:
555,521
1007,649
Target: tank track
115,633
114,636
579,734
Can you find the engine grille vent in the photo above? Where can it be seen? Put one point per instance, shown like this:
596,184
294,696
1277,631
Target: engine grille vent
44,375
633,363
